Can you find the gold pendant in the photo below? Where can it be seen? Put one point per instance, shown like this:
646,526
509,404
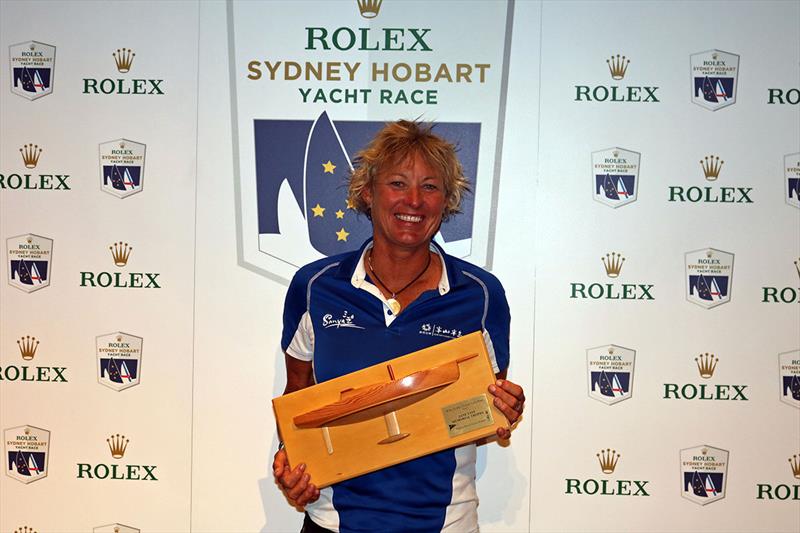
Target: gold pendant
394,305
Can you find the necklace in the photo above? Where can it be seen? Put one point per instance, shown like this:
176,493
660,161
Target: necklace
394,305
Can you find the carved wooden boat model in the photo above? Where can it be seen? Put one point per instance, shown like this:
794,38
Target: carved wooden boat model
353,401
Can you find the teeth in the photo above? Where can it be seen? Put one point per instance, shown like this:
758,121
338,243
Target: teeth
409,218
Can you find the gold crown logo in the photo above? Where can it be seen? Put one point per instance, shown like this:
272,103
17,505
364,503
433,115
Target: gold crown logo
706,364
124,59
613,263
794,461
25,529
711,167
608,459
27,347
120,251
30,155
117,444
618,66
369,9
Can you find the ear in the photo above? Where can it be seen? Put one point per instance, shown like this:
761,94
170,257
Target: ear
366,195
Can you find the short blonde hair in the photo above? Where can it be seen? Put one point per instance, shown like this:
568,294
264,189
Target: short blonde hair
396,142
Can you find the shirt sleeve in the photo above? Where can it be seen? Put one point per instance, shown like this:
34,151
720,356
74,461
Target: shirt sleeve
497,326
297,339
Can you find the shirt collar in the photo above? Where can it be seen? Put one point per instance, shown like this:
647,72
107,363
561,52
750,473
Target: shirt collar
353,267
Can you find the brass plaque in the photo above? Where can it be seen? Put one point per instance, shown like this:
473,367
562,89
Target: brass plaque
467,415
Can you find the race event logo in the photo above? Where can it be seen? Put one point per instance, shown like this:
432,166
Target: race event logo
32,69
787,295
607,460
791,173
704,473
610,373
28,347
30,259
612,263
336,86
119,360
714,75
789,376
122,167
117,445
782,491
709,276
26,453
706,365
615,176
120,253
20,179
711,166
617,69
123,61
115,528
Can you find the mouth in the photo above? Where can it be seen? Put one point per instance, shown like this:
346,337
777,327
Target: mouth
409,218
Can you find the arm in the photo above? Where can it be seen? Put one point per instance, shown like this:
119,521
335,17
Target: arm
295,483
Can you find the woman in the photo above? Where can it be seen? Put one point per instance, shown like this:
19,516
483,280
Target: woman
393,293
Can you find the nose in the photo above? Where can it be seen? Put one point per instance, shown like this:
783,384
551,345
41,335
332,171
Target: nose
414,197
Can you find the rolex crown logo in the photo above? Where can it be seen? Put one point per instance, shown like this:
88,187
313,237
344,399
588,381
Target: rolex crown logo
27,347
613,263
711,167
608,459
618,66
369,9
117,444
25,529
794,461
706,364
30,155
120,251
123,57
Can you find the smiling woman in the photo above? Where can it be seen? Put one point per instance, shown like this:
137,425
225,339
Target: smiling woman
398,294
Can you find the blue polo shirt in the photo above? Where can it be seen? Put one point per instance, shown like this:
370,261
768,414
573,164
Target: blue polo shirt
337,319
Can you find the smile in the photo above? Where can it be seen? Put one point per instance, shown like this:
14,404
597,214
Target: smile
409,218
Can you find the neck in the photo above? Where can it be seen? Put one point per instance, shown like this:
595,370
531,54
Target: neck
397,267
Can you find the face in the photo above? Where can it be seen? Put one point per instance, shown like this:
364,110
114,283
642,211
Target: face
407,202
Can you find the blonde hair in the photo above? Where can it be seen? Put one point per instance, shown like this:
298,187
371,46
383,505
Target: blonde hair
396,142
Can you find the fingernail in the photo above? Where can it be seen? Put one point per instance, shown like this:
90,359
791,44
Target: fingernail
497,402
306,478
302,467
492,388
499,382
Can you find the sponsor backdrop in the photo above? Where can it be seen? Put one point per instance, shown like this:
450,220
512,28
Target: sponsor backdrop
166,167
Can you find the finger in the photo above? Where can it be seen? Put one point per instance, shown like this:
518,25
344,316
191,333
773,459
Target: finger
512,388
290,478
299,488
279,463
510,413
504,433
508,399
311,494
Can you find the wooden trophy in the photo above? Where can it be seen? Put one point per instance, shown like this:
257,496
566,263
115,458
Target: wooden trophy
386,414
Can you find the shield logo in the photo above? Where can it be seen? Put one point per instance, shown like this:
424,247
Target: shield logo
292,169
704,474
32,69
122,167
115,528
615,176
789,376
119,360
709,276
26,453
30,259
609,370
714,74
791,173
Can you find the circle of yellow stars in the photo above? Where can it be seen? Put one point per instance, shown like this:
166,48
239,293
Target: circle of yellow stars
319,211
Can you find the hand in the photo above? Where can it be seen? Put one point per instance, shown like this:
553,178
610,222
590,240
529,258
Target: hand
510,399
295,484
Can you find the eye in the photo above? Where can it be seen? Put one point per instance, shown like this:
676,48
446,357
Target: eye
431,187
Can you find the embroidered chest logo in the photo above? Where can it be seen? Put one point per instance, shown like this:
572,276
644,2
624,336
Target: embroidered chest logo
439,331
347,321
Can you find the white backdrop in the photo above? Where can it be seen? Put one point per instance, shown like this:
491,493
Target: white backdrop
200,417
